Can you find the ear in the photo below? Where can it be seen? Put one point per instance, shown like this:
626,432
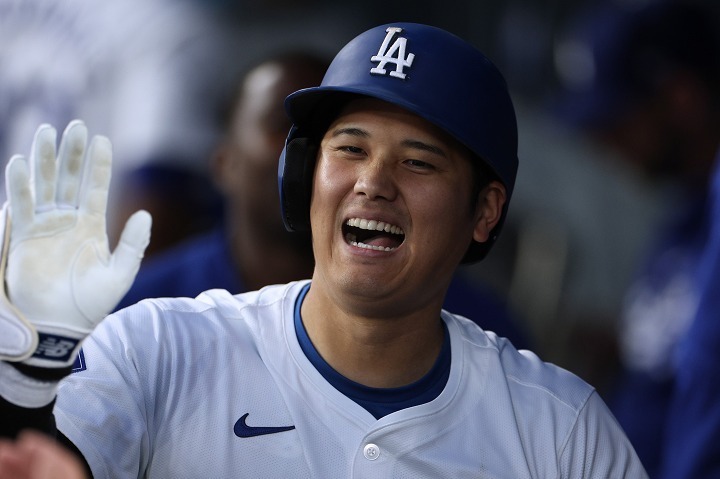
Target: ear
489,210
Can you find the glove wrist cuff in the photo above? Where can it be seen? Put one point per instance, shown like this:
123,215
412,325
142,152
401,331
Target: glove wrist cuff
25,391
42,374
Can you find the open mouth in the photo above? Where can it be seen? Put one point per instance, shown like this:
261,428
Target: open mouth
372,234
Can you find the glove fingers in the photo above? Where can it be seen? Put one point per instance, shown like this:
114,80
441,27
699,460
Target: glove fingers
94,195
20,197
43,167
131,247
70,163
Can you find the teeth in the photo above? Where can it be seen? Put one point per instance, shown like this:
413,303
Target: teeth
368,246
374,225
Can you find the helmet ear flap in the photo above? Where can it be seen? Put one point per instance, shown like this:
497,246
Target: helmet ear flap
297,165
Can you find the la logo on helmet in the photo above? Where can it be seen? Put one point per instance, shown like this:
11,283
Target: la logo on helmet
396,55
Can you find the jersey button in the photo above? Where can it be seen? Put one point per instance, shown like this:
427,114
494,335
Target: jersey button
371,452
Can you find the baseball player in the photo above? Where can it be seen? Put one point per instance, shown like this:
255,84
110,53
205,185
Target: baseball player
402,164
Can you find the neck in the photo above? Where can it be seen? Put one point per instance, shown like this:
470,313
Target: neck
380,352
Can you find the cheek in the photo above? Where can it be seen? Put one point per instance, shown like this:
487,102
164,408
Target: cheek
443,216
327,193
332,181
445,201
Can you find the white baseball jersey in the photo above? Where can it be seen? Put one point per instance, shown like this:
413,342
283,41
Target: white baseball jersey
219,387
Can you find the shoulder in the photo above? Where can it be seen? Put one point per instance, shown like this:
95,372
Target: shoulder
526,375
558,420
154,331
214,305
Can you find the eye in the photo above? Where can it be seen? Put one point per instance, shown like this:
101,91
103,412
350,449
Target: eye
419,164
351,149
347,150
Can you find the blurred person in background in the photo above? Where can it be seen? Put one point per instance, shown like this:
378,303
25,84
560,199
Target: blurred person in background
653,95
691,440
580,219
250,248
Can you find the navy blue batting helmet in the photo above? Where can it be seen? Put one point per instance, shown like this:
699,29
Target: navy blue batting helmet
423,69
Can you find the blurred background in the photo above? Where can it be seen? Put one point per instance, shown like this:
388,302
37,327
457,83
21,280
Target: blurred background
156,75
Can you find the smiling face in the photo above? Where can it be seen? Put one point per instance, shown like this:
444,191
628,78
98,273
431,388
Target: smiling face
389,210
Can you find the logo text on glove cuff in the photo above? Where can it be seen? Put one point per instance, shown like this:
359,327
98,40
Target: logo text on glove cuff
55,348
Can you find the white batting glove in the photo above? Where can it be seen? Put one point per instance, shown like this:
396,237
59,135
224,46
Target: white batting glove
60,279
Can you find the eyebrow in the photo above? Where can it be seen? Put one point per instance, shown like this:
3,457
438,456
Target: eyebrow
421,145
350,131
416,144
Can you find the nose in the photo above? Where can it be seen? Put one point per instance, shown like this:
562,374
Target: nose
375,180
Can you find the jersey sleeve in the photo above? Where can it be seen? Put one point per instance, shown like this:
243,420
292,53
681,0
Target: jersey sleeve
106,408
597,447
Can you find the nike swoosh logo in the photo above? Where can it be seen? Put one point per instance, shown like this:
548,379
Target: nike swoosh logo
241,428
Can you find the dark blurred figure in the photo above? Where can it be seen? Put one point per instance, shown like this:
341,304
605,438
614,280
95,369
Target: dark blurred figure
691,442
646,82
251,247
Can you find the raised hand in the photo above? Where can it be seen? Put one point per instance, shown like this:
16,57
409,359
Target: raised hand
60,278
